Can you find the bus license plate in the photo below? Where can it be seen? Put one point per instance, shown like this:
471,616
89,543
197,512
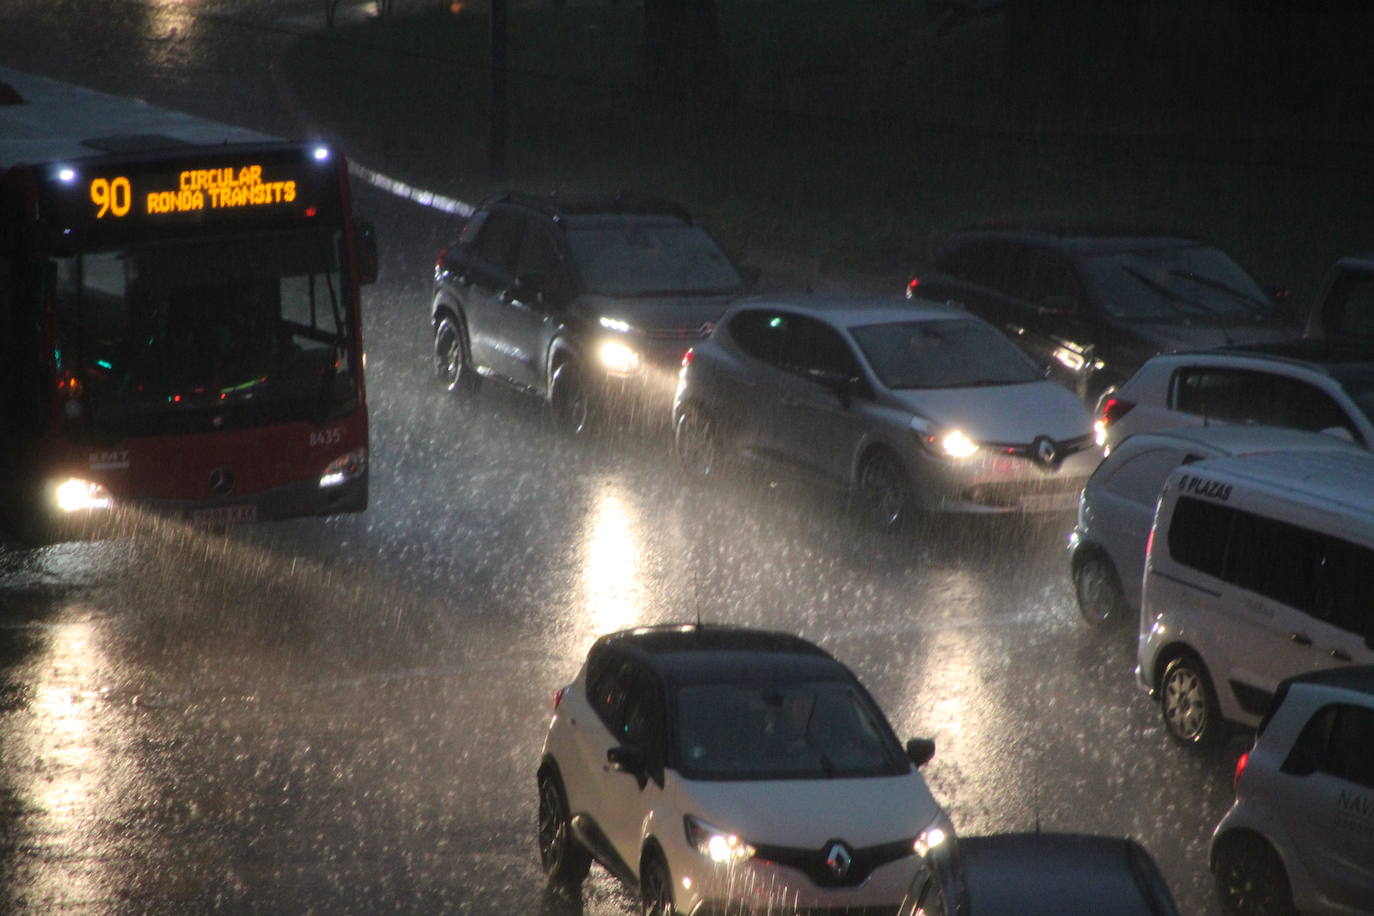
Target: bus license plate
225,515
1049,502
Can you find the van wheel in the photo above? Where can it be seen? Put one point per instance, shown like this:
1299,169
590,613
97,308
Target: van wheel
1100,598
1188,703
655,888
1251,880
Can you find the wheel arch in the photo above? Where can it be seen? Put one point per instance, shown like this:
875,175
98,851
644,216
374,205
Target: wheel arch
1175,650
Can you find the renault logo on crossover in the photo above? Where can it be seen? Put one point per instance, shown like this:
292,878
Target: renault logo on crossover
221,482
838,858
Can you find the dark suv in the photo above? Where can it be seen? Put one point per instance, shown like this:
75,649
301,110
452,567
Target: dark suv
589,302
1092,304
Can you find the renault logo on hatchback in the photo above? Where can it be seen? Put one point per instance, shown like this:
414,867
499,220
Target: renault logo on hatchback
1045,451
221,482
838,858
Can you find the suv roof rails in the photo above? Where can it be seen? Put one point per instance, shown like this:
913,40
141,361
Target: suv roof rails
558,205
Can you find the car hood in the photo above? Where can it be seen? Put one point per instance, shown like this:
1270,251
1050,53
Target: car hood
804,814
1013,414
656,313
1163,338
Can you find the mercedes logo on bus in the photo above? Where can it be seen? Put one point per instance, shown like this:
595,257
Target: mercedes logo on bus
221,482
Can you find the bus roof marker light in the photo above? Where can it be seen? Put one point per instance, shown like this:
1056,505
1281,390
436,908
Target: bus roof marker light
66,174
321,153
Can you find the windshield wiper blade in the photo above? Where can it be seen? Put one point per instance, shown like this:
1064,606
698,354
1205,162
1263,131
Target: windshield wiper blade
1259,306
1172,297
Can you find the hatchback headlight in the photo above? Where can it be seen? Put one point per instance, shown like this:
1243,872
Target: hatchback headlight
718,845
943,441
937,839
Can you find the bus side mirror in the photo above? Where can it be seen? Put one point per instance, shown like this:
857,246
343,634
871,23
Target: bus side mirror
365,238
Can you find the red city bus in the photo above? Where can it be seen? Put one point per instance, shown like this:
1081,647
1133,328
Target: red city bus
180,332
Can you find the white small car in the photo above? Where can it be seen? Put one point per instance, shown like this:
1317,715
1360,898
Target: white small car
1300,836
1315,385
913,405
721,769
1117,506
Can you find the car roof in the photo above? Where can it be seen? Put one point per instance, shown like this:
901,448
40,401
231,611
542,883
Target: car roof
1358,678
559,205
1237,439
855,310
1053,873
697,653
1082,237
1322,354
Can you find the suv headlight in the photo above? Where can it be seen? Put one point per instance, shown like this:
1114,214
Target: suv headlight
942,441
617,357
715,844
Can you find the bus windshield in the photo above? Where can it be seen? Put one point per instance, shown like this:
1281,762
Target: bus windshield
218,332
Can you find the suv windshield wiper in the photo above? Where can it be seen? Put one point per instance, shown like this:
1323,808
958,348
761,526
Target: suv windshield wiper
1171,297
1258,306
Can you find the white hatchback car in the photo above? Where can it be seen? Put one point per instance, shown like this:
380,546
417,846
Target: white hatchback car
1117,506
913,404
1314,385
1300,836
721,769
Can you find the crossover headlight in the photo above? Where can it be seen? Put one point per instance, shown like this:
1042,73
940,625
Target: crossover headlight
937,838
941,441
617,357
76,495
346,467
718,845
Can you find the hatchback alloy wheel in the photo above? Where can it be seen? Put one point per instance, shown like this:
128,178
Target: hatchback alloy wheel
695,442
885,491
1098,590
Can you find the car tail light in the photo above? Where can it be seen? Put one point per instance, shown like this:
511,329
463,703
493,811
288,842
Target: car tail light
558,697
688,357
1114,409
911,287
439,258
1240,768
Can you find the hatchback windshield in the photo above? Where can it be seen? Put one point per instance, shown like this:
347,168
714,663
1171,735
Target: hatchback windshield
1172,283
649,256
944,353
801,730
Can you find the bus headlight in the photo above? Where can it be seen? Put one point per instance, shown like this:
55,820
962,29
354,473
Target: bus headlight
76,495
344,468
617,357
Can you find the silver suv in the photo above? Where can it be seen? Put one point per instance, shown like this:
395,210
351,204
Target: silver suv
1300,836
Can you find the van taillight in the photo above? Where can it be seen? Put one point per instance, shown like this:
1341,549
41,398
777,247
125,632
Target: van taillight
1240,768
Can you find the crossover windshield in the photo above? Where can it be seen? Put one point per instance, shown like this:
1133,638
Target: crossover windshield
1169,283
241,326
944,353
800,730
648,257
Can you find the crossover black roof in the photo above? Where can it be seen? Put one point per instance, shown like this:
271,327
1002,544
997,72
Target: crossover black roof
1355,677
696,653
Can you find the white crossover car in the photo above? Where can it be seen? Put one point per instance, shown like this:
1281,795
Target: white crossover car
726,770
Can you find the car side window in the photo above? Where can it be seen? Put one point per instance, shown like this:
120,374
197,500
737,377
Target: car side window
760,334
607,694
1140,478
1247,396
1349,309
1338,740
539,260
813,348
644,723
498,239
1050,281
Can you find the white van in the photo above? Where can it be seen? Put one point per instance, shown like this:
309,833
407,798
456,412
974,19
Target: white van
1259,568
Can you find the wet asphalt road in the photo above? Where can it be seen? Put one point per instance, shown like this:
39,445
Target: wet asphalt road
345,715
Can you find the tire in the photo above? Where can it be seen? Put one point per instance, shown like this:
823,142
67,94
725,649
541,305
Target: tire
565,862
1250,878
1188,703
696,443
451,362
1098,589
885,491
570,401
655,888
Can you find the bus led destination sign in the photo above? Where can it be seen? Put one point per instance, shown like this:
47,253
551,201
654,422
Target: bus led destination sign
227,188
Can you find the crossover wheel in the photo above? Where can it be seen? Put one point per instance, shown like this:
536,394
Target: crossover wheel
1100,598
1188,703
696,443
655,889
568,397
450,357
565,862
1251,880
885,491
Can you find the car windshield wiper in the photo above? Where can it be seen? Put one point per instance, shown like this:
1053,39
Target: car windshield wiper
1258,306
1171,297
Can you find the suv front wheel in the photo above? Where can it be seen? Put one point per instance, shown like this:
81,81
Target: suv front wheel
569,399
450,356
